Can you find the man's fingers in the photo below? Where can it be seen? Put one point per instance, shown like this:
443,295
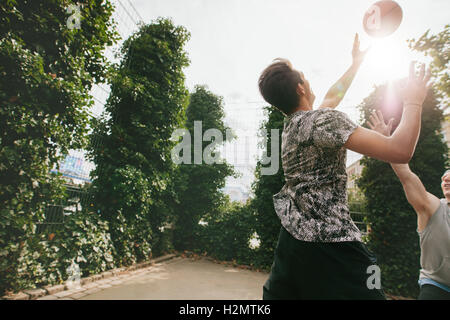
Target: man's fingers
412,70
391,122
356,42
373,117
380,116
427,76
421,72
371,126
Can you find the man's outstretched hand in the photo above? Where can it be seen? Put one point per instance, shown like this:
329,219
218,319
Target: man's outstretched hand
337,91
357,54
377,123
417,86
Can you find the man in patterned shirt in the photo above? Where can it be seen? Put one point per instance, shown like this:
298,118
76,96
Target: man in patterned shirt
319,254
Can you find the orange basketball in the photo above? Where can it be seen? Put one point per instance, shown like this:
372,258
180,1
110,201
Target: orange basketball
382,18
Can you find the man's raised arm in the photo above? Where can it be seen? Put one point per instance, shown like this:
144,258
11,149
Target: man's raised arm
423,202
336,93
398,148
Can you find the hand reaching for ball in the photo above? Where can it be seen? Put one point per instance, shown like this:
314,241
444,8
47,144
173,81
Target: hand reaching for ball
357,54
417,86
377,123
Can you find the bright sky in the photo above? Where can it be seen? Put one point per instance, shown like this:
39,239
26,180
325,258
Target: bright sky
232,41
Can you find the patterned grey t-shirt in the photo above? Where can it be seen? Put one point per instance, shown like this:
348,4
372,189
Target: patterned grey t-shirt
312,205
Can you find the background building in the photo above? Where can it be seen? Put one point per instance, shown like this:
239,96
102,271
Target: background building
236,193
353,172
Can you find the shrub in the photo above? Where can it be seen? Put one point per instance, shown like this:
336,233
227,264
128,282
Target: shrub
226,234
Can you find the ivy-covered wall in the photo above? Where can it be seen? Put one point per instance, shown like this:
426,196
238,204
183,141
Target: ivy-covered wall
46,73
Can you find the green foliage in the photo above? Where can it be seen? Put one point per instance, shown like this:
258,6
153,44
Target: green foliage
85,239
130,226
267,223
226,234
43,258
46,73
228,231
207,221
131,145
437,47
393,235
198,186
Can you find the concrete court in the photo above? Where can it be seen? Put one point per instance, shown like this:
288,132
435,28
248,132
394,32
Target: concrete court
187,279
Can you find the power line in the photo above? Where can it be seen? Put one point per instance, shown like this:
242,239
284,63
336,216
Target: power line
125,9
103,89
124,27
137,13
101,102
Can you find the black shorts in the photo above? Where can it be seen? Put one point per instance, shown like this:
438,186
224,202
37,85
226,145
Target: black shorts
319,271
431,292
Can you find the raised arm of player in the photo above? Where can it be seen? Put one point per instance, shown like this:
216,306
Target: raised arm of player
398,148
423,202
337,91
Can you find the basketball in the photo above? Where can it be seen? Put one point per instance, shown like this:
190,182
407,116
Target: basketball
382,18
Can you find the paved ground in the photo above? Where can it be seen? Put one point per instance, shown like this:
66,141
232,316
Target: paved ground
175,279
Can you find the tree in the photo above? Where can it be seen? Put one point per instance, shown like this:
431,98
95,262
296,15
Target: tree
393,222
227,233
267,223
47,71
198,185
438,48
130,144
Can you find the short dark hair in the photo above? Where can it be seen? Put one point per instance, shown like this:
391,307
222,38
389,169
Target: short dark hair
278,85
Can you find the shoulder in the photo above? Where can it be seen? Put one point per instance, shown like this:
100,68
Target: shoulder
333,119
443,205
329,111
331,114
436,205
436,216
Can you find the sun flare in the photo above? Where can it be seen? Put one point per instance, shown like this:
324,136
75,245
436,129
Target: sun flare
388,60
